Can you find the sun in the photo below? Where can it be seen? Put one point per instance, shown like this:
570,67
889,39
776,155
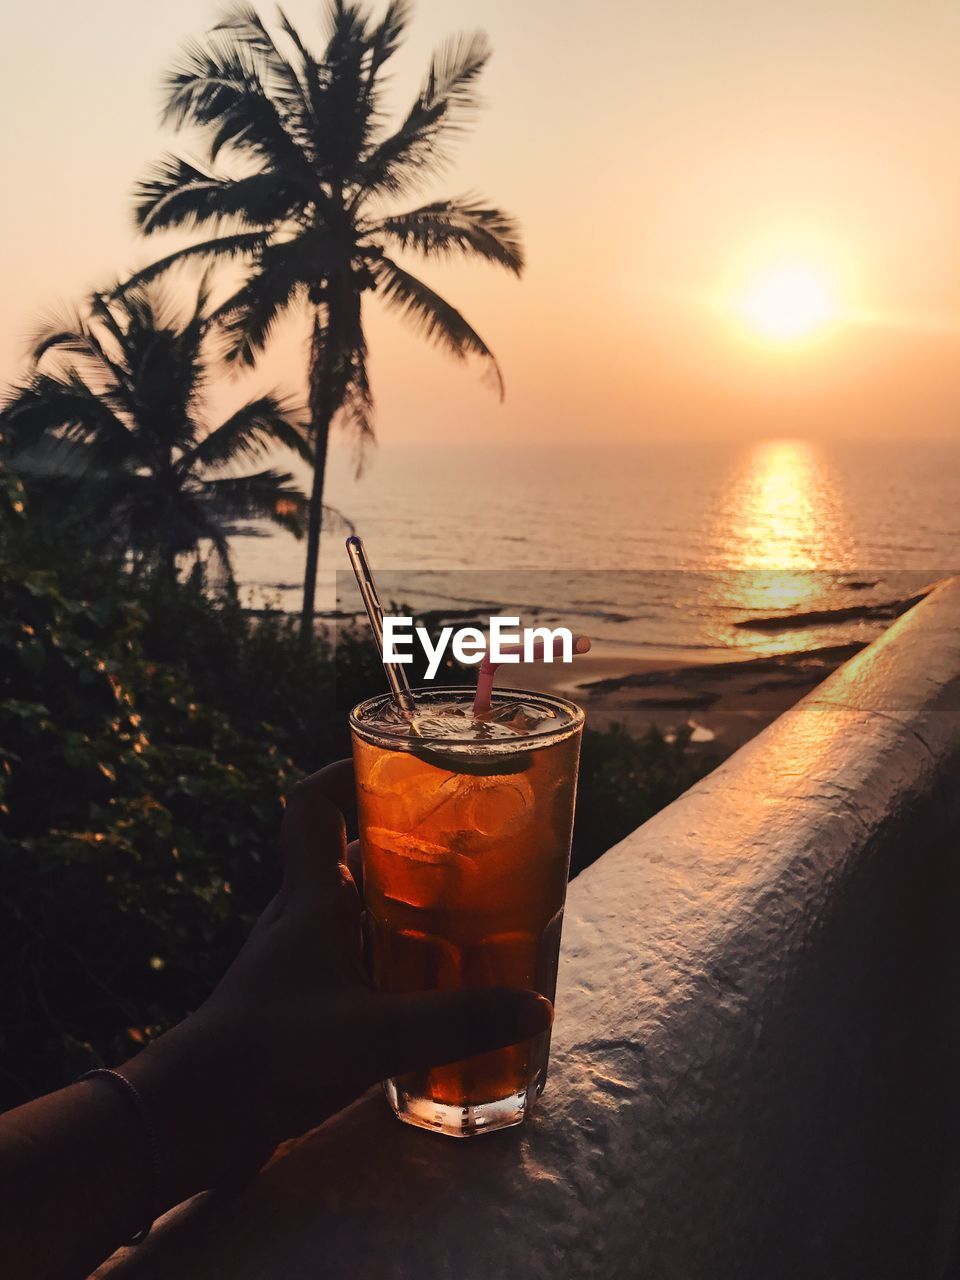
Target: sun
789,302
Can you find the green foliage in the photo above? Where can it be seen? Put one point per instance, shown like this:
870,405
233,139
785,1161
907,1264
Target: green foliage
137,828
257,668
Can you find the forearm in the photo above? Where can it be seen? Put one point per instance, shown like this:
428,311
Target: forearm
76,1181
78,1172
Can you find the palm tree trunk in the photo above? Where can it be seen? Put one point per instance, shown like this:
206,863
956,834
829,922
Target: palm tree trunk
321,415
321,435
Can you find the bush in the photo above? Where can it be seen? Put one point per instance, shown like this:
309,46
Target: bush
626,780
135,824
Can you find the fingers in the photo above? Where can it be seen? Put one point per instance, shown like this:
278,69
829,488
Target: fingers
313,835
335,781
431,1028
355,863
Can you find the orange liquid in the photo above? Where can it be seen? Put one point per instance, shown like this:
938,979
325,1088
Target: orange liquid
464,881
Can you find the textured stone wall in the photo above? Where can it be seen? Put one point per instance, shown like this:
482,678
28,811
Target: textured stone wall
755,1067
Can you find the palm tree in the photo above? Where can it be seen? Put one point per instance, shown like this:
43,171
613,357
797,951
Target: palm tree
298,168
113,402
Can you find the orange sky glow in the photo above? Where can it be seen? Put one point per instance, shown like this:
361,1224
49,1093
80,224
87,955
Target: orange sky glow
741,219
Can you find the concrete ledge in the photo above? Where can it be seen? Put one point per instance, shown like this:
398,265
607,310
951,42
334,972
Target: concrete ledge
755,1064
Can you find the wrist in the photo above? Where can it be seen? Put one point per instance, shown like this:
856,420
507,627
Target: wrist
203,1132
142,1136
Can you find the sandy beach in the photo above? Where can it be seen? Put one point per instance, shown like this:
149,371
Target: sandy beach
723,703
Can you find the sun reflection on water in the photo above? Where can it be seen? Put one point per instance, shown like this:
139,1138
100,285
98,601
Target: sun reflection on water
779,526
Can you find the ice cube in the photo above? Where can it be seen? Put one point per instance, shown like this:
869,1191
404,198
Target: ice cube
498,807
457,727
412,870
442,725
396,779
487,812
521,717
391,771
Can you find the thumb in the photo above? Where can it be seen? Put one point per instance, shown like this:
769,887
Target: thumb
431,1028
312,834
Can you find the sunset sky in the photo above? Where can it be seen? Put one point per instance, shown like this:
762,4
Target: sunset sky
675,166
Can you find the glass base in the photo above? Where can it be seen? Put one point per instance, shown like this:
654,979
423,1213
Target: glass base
454,1121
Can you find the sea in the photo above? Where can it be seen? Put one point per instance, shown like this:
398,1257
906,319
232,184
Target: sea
694,551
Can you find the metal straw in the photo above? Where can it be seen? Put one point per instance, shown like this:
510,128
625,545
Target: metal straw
371,602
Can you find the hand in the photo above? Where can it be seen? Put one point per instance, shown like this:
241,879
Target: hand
294,1031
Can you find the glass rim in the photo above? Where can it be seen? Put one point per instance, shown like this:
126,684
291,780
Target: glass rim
381,736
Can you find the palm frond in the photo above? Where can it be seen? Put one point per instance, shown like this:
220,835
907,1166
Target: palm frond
140,309
346,30
356,406
177,193
452,76
446,104
243,245
162,370
247,320
171,376
222,85
314,78
219,552
284,272
63,331
192,331
432,316
340,106
333,518
56,458
460,226
89,348
64,404
249,433
293,35
268,495
384,40
249,28
102,305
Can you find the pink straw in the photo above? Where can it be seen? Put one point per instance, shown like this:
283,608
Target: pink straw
482,702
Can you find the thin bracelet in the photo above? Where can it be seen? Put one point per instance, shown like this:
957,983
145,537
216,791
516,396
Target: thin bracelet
132,1093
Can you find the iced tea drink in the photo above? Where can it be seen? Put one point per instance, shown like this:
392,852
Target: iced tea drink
465,833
